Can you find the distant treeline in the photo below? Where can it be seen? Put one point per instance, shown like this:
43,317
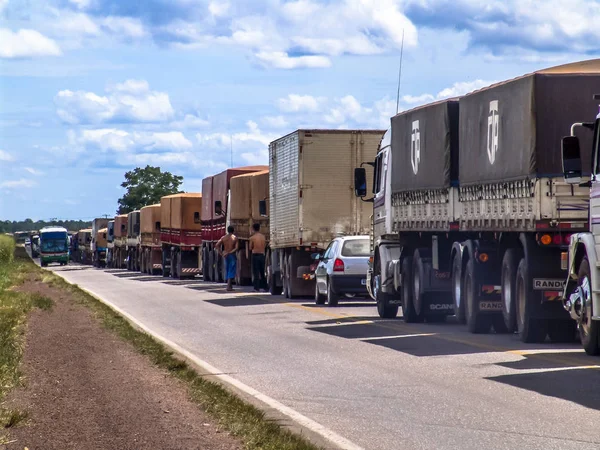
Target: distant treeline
7,226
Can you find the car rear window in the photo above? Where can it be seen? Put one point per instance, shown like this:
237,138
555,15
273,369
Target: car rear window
357,247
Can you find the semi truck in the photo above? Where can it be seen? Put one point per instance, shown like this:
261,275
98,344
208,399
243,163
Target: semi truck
246,193
119,259
97,225
151,247
99,254
110,242
84,242
311,199
133,241
181,235
471,214
54,246
215,205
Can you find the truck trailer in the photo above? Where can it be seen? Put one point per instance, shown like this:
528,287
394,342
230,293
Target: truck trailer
97,225
84,242
133,241
100,248
151,247
246,192
311,197
181,235
119,259
215,206
471,213
110,242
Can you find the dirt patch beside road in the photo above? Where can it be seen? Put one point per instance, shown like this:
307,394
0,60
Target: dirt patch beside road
87,389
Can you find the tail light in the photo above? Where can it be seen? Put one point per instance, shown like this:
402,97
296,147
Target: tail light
338,265
557,239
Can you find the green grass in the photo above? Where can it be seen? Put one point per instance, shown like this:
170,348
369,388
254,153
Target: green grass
14,306
7,249
241,419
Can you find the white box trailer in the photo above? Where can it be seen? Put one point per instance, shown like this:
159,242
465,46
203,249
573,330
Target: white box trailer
312,201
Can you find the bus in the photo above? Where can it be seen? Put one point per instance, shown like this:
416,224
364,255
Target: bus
54,246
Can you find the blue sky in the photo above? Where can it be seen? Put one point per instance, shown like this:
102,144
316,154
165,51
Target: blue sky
92,88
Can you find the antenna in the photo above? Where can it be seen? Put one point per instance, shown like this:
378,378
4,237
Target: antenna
400,72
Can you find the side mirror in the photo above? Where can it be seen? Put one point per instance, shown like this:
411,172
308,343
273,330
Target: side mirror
571,159
262,208
360,182
218,208
316,256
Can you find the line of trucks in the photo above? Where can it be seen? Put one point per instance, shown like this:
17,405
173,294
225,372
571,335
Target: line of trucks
479,208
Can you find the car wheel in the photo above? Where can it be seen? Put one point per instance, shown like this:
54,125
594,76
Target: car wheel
319,298
332,297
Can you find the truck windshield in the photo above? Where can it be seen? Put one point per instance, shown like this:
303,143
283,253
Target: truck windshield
53,242
357,247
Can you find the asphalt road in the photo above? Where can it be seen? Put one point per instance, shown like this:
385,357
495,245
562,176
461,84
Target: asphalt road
381,384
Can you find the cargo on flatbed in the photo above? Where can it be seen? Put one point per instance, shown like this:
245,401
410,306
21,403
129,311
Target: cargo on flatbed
119,256
181,234
151,246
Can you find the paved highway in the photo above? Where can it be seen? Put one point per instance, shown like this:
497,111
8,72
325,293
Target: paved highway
381,384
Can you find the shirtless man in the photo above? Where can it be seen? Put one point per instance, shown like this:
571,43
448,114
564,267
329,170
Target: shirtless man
230,245
258,244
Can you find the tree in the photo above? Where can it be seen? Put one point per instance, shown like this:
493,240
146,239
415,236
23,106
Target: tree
145,187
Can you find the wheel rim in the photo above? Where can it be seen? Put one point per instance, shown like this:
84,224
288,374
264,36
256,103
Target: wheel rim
468,291
376,284
457,293
506,292
521,302
417,290
586,311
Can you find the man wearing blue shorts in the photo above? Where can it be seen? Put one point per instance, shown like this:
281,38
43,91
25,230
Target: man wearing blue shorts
229,244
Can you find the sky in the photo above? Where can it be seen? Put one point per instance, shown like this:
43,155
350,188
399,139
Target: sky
90,89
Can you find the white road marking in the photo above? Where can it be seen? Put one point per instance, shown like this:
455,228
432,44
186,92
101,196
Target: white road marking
302,420
396,337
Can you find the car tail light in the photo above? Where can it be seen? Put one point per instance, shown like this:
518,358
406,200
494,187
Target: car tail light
338,265
557,239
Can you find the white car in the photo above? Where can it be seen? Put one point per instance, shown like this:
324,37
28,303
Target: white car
342,270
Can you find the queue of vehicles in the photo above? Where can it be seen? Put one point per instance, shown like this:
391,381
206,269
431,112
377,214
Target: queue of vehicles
474,213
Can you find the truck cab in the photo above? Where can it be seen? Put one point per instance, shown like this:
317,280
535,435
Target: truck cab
581,296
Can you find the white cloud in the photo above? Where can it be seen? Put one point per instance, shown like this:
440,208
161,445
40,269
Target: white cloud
463,88
33,171
412,99
111,139
124,26
20,183
74,23
190,122
219,8
26,44
275,121
281,60
3,4
81,4
299,103
131,101
5,156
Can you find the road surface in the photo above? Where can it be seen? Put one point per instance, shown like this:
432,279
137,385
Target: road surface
381,384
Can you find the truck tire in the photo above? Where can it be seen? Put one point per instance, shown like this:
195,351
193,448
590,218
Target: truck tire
211,265
457,288
286,277
418,272
530,329
589,329
332,297
510,264
476,322
384,309
174,267
165,272
408,307
319,298
205,265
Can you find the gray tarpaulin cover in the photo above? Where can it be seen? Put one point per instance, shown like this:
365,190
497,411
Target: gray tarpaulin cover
425,147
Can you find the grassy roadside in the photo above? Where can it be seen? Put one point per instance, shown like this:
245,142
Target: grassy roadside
14,306
241,419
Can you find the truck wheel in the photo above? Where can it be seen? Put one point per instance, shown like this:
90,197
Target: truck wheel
332,297
510,264
408,307
589,329
319,298
205,266
476,323
418,282
530,329
165,271
384,309
173,264
211,262
562,330
457,288
179,268
286,278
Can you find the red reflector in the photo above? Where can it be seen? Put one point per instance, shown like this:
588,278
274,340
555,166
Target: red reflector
564,225
338,265
454,226
557,239
567,239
